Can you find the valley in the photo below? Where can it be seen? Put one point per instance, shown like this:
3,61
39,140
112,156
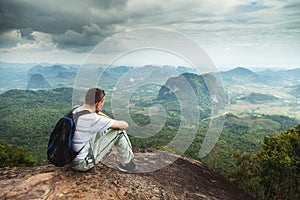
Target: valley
285,104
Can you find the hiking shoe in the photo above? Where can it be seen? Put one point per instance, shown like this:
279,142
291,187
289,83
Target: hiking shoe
130,167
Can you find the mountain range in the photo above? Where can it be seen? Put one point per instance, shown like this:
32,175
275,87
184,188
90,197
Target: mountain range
243,76
238,83
64,75
254,87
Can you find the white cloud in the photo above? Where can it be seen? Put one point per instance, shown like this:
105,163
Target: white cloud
39,42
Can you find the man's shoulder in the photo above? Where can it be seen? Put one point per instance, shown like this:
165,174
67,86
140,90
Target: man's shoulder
78,109
84,113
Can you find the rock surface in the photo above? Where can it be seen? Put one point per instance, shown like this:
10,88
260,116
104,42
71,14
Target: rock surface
182,179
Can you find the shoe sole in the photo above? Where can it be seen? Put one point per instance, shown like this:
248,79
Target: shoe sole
130,171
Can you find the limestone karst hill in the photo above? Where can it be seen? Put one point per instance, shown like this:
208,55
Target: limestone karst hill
182,179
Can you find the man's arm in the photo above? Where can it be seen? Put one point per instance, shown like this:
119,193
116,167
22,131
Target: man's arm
117,124
121,125
102,114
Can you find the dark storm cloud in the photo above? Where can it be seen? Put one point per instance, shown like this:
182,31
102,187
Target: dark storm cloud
56,16
85,39
72,23
26,14
27,33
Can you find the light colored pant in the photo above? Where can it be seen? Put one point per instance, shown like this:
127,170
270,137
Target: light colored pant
102,144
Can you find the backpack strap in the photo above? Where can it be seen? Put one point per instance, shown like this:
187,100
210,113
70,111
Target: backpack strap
75,108
75,117
78,114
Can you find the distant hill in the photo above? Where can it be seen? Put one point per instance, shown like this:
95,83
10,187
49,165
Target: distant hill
56,75
12,77
242,76
258,97
47,70
66,75
295,91
37,81
117,71
199,83
282,77
177,84
54,71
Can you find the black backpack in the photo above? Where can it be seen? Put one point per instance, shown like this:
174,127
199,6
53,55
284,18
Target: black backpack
60,150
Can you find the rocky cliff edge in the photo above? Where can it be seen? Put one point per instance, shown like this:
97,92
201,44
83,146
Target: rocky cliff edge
182,179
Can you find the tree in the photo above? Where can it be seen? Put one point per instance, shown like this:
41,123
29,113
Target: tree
280,165
11,156
274,171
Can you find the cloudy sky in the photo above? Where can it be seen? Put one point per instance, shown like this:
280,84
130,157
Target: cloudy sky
262,33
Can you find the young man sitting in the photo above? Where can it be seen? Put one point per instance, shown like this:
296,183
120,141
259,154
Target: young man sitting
96,134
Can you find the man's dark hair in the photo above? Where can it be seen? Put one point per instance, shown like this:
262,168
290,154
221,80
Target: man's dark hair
93,96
